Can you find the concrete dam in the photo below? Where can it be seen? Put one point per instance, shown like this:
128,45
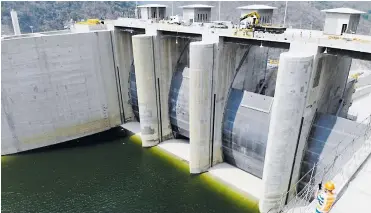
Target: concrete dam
216,91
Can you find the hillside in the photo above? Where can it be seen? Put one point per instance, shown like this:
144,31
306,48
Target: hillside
45,16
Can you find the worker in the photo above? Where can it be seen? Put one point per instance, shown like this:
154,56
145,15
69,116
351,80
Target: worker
325,198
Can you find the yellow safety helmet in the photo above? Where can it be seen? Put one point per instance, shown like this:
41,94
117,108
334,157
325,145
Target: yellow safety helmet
329,185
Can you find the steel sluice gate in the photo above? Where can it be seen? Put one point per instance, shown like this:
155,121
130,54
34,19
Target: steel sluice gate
245,123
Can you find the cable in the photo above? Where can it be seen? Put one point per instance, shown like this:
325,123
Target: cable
324,172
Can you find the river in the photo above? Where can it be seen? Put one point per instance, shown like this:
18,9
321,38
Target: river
107,172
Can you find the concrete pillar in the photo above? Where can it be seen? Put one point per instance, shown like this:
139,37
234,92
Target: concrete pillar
309,109
17,30
289,102
144,61
200,102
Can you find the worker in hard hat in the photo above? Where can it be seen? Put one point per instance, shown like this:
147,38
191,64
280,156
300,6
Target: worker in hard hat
325,198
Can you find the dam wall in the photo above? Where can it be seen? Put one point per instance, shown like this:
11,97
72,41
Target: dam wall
219,92
57,88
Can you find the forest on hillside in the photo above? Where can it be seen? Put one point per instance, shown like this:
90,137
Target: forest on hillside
49,15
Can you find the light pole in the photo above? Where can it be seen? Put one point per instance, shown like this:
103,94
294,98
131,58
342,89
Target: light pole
284,18
172,8
136,10
219,10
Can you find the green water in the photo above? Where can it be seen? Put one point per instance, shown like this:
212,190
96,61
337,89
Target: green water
107,173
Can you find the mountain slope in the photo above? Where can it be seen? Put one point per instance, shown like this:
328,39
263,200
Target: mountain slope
47,16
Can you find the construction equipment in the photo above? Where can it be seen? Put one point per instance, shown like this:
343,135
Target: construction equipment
252,18
251,21
91,22
175,20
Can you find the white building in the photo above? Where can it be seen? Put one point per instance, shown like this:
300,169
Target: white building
341,20
197,13
152,11
265,12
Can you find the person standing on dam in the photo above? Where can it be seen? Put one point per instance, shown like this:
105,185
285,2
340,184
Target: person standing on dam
325,198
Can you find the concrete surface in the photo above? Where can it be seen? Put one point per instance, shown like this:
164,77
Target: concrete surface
56,88
133,126
334,75
288,108
167,51
238,179
358,108
361,43
200,105
229,56
357,196
124,58
145,63
177,147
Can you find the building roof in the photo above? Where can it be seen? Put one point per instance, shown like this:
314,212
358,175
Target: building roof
343,10
197,6
257,7
152,5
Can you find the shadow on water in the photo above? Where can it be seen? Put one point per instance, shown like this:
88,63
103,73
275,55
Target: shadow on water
106,172
107,136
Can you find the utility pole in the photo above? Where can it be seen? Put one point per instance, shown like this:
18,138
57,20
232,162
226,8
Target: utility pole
16,28
219,10
136,10
172,8
284,18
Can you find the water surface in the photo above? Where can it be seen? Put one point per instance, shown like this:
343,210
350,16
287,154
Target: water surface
107,173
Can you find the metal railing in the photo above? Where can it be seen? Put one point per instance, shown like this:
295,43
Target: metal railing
339,166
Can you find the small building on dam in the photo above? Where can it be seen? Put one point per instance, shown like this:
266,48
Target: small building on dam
210,88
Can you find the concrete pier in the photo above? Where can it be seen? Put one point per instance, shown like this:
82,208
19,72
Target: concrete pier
200,102
285,126
144,61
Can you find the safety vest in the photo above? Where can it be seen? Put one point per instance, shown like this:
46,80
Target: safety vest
325,201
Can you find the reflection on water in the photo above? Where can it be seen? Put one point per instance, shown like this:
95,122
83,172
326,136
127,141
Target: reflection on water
106,173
